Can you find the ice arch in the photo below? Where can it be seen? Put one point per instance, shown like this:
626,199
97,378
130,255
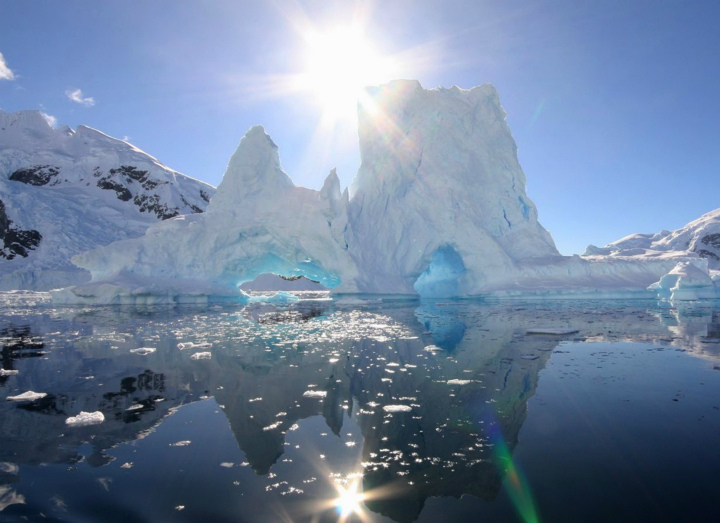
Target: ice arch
243,272
440,279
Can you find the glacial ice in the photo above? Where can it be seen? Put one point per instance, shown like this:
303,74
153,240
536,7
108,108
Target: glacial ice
438,209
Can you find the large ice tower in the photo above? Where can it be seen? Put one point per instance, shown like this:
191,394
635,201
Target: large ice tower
439,192
438,209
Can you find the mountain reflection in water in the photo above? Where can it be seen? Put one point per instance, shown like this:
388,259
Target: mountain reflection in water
401,400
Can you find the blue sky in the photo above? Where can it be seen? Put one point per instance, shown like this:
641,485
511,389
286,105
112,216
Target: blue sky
614,104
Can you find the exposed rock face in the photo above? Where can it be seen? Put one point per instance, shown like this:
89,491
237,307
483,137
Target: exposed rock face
78,190
16,242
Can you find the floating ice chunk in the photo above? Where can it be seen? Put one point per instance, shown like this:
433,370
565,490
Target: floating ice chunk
686,281
201,356
459,382
397,408
85,418
272,426
553,332
183,443
314,393
137,406
4,372
185,345
432,348
143,351
27,396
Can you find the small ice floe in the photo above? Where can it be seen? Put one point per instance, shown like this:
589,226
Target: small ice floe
529,357
143,351
136,406
432,348
459,382
314,394
4,372
397,408
85,418
201,356
183,443
552,332
273,426
127,465
28,396
192,345
227,464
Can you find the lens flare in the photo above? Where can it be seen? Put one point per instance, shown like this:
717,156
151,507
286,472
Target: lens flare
515,483
349,500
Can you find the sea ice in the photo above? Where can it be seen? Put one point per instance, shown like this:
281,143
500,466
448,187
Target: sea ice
315,394
27,396
6,372
459,382
85,418
143,351
201,356
397,408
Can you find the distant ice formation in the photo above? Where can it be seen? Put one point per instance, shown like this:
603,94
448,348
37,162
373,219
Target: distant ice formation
438,209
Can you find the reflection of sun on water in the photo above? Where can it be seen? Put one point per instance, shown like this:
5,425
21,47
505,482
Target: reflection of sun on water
349,499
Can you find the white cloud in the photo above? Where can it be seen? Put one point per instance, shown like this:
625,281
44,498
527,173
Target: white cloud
50,119
76,95
5,72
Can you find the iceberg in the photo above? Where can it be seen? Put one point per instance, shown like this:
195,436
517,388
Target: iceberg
438,209
688,281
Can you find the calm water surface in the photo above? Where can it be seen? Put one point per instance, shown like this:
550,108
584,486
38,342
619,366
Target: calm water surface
361,410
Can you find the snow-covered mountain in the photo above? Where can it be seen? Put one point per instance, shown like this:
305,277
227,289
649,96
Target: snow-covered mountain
700,237
64,191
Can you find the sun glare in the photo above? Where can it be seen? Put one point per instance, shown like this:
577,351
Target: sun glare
338,65
348,502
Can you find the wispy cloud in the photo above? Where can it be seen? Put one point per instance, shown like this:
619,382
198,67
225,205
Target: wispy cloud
5,72
76,95
50,119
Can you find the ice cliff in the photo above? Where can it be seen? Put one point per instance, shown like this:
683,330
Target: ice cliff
438,208
65,191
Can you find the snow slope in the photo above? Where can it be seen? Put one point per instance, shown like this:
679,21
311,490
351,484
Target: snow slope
700,237
63,192
438,209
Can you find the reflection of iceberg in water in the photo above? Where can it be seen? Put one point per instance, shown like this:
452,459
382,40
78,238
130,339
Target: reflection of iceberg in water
265,360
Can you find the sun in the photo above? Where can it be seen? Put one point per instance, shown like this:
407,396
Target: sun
339,64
